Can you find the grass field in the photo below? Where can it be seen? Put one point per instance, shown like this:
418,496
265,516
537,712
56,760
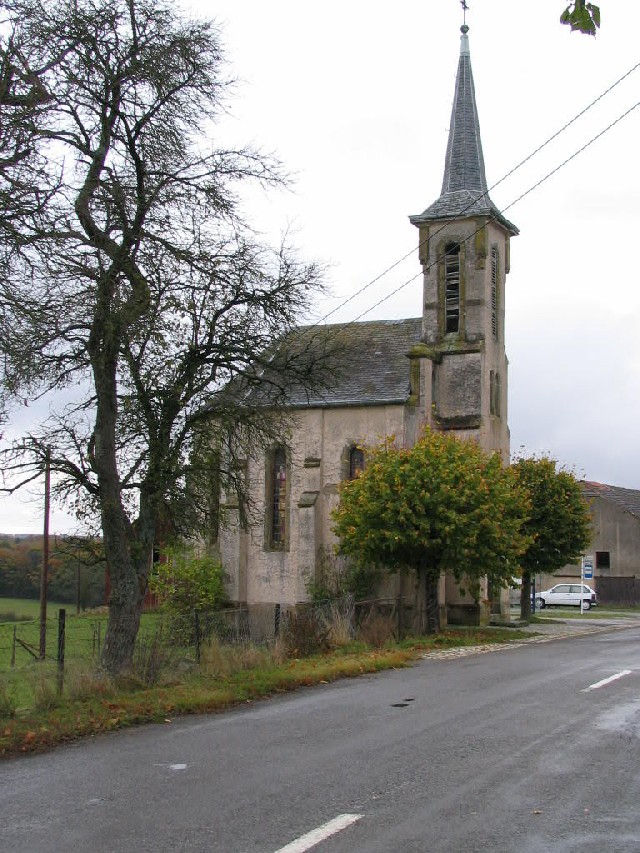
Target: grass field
84,636
21,671
26,608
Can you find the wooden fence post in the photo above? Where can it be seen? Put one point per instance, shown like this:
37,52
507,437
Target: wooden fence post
62,614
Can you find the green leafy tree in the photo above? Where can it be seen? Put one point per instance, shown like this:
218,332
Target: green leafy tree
582,16
559,525
441,506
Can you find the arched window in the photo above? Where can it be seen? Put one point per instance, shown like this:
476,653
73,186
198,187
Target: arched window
452,288
277,494
494,291
356,462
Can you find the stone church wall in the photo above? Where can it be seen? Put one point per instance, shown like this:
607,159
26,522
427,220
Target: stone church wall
318,461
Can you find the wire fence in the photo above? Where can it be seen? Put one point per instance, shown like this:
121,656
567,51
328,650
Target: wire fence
305,628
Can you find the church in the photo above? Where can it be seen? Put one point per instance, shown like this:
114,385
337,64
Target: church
445,369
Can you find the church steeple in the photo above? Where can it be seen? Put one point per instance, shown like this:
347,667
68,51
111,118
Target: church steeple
464,190
464,248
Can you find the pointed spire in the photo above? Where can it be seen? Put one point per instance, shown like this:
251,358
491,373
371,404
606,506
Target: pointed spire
464,184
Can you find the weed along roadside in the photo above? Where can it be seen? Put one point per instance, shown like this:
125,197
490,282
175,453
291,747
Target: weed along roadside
34,716
166,681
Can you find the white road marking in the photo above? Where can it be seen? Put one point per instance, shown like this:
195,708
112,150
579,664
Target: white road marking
606,680
172,766
306,842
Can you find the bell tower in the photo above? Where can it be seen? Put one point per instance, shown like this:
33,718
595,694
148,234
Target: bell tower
464,251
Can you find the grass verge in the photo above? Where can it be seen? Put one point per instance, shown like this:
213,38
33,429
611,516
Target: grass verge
609,612
101,706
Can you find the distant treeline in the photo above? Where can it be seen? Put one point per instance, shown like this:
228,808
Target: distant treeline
76,569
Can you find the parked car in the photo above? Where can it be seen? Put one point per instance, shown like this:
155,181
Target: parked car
567,594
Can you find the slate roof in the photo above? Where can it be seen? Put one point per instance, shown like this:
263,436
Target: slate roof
464,185
370,363
627,499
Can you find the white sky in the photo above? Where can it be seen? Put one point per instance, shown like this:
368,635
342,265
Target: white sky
355,98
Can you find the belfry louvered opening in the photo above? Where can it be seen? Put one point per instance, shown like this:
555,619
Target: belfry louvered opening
494,291
452,287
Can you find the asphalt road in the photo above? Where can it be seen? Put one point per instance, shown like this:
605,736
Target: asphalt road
528,749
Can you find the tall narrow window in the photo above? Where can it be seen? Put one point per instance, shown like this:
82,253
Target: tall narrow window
492,392
356,462
494,291
452,288
279,497
495,393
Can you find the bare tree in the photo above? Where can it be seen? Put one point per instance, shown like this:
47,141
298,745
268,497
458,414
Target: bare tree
140,282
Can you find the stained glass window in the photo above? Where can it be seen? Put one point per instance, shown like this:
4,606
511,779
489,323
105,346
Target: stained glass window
356,462
279,496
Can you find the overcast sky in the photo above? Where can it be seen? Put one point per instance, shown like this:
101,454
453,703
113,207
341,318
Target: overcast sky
355,98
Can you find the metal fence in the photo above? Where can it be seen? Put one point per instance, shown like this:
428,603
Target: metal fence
81,637
20,640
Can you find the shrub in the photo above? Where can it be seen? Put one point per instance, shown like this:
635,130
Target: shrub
82,681
152,659
336,577
376,629
340,621
45,690
185,582
306,633
218,659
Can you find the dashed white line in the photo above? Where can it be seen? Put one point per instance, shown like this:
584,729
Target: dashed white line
606,680
306,842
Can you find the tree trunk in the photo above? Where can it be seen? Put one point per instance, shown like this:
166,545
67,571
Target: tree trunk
432,605
122,630
125,601
127,552
428,609
525,596
129,589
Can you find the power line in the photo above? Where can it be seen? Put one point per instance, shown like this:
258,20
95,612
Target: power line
508,174
493,218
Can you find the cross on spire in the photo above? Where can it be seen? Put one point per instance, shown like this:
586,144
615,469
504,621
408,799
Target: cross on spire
465,9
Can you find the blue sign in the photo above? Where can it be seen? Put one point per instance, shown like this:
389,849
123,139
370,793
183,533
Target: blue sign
587,568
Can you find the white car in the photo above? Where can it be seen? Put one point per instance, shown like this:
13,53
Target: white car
567,594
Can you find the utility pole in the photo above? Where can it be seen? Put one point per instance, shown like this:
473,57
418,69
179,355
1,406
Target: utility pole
44,575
